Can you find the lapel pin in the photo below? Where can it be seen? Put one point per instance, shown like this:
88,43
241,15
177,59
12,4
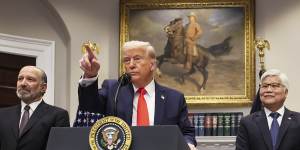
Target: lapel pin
162,97
289,118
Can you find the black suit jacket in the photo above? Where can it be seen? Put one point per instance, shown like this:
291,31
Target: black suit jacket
254,132
170,105
36,131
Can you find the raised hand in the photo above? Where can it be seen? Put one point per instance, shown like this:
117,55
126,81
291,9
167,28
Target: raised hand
89,64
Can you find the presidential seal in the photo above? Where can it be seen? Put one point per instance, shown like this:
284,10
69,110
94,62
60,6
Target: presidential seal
110,133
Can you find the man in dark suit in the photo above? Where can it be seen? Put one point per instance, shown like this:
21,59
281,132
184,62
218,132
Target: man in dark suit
160,105
275,127
26,126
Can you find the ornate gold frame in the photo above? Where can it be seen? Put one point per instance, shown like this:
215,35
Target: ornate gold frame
249,61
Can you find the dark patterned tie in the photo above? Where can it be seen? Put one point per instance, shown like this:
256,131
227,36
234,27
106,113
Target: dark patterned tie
24,120
274,128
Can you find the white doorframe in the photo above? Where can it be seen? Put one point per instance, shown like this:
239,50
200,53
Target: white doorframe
42,50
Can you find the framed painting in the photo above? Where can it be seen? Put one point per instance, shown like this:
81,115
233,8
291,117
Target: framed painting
204,48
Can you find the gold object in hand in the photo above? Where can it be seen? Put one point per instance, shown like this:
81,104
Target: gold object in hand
93,46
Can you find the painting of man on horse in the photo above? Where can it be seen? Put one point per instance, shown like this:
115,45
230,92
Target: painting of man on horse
181,48
205,57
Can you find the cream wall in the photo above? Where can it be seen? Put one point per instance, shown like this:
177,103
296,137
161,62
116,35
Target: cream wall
279,22
70,24
96,20
32,18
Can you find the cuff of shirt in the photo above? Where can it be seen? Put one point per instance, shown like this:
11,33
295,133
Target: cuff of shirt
85,82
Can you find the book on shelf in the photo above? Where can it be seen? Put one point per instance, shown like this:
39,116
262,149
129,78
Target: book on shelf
201,124
208,124
220,124
233,125
196,124
214,124
226,124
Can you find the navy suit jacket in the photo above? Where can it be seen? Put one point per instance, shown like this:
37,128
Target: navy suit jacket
170,105
36,131
254,132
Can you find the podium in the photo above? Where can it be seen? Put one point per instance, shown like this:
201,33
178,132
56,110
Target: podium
167,137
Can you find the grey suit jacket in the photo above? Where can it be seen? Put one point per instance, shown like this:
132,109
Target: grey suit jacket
254,132
36,131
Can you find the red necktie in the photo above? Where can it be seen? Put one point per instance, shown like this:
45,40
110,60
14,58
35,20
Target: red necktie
142,109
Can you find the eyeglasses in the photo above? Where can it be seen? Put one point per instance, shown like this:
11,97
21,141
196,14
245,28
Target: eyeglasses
135,60
271,85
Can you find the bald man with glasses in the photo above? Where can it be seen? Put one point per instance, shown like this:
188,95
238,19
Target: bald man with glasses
26,126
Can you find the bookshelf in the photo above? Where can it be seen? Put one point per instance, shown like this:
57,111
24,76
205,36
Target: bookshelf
216,123
216,142
216,130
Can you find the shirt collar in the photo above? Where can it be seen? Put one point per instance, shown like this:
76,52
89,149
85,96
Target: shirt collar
280,111
32,105
150,88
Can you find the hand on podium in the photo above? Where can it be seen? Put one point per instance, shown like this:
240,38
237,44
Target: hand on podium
192,147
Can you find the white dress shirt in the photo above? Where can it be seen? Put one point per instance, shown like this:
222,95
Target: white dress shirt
150,100
270,119
32,106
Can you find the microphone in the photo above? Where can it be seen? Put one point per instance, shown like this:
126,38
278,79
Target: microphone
124,79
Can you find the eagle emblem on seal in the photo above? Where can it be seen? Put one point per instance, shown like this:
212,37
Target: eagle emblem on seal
110,137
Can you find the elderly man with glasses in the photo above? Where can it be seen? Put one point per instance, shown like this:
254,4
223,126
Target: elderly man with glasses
275,127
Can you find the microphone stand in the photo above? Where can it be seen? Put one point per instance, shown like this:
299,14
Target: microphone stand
123,80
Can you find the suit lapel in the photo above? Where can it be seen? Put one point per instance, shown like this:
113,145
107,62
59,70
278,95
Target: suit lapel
160,99
16,120
125,100
37,114
262,124
286,120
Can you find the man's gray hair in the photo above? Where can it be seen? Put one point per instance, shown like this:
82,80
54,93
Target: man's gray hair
140,44
43,73
275,72
44,76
